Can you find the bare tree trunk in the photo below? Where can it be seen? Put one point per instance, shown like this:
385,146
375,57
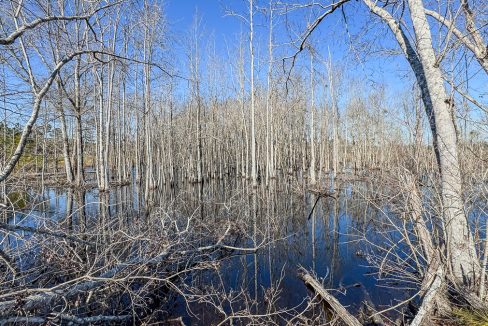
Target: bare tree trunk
460,245
462,253
80,178
335,145
312,124
245,152
253,127
100,136
195,64
64,133
268,96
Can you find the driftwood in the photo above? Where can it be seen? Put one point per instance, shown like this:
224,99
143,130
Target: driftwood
22,320
323,193
334,305
428,303
320,193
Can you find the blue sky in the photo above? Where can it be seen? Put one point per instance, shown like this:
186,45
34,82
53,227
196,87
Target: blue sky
331,36
355,44
180,14
363,62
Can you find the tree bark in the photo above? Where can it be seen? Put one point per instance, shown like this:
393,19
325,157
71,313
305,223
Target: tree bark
461,249
64,133
460,245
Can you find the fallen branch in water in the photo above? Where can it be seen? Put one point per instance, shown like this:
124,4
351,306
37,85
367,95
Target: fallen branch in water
93,319
67,318
46,298
430,298
334,305
17,228
22,320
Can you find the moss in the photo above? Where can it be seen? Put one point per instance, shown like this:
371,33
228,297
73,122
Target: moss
19,199
472,317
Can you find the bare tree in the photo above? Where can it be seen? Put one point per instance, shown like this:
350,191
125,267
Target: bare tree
439,109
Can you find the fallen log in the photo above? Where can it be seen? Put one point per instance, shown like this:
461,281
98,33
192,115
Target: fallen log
429,301
46,297
22,320
93,319
334,305
67,319
431,291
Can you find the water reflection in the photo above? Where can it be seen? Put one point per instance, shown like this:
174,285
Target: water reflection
303,229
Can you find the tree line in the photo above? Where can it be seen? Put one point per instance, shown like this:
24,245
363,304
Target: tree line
102,73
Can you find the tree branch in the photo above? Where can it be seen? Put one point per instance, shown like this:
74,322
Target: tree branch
29,26
478,48
10,165
309,32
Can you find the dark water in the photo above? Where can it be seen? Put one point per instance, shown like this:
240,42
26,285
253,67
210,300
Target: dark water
325,240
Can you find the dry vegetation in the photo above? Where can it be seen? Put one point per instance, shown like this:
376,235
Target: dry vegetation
106,95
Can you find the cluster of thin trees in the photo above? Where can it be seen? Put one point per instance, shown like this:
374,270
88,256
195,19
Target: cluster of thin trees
115,103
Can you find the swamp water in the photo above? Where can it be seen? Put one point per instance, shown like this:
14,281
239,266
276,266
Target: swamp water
322,235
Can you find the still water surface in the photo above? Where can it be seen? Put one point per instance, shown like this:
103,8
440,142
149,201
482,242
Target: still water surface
321,235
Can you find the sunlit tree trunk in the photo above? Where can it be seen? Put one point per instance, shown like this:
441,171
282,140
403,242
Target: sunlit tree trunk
439,108
64,134
460,242
253,127
269,113
312,124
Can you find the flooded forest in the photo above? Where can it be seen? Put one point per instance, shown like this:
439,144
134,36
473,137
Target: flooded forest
243,162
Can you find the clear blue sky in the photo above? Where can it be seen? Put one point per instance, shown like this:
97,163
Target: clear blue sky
331,36
180,15
360,54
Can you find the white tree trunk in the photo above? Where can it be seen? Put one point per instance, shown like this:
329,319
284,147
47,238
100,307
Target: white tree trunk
253,127
312,125
460,245
461,249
